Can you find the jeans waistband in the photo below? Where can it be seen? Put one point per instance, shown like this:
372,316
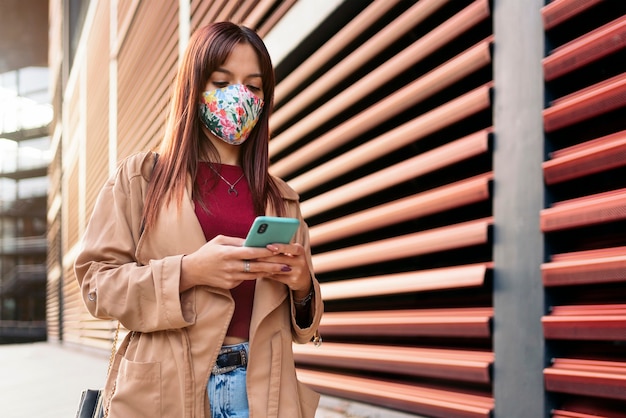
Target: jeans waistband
230,358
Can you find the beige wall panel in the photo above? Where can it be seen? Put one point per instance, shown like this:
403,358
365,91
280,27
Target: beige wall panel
53,308
74,115
55,52
71,207
125,14
73,307
97,97
147,64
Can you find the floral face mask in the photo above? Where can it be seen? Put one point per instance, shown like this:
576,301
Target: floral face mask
230,113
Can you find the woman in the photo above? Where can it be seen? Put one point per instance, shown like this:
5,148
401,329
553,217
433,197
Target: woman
212,321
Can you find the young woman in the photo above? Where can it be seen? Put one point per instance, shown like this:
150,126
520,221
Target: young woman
211,321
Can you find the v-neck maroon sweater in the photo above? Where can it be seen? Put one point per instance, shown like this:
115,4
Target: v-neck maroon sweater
228,213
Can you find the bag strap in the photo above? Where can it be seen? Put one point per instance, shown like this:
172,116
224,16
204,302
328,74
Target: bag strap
114,352
113,348
105,413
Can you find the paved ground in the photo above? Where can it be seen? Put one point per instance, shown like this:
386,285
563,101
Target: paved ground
46,379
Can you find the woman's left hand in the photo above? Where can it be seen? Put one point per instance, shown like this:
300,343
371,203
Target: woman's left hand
294,269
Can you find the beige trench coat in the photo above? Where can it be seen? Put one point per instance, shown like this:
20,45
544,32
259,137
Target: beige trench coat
135,278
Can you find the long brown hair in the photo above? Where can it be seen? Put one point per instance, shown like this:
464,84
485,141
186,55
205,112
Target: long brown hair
183,142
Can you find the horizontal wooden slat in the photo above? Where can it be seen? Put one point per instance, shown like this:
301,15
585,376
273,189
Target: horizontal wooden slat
580,407
405,134
606,309
463,365
426,242
559,11
598,155
586,322
588,210
253,19
96,324
437,200
366,52
407,397
412,281
276,14
604,266
596,413
415,92
429,43
559,413
588,48
242,10
590,254
604,379
227,10
261,8
596,100
95,334
329,49
453,322
427,162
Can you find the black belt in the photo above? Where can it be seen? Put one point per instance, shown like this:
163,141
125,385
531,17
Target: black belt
229,359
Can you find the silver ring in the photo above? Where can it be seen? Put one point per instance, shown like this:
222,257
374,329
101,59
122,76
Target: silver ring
246,266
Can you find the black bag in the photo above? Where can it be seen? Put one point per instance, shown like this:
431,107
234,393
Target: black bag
90,405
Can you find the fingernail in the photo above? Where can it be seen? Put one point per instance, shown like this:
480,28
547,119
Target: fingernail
285,268
272,248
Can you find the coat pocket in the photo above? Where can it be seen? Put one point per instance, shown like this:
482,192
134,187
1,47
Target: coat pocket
138,390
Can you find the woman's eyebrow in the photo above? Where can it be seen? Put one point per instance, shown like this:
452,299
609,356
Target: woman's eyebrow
225,71
222,70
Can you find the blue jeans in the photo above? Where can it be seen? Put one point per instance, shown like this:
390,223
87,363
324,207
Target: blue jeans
227,393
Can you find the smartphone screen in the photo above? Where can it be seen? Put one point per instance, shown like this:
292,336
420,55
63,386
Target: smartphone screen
271,230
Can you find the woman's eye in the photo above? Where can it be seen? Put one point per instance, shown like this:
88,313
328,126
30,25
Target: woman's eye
220,84
254,88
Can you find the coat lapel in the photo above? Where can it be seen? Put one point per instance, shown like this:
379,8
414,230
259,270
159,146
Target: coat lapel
178,231
269,294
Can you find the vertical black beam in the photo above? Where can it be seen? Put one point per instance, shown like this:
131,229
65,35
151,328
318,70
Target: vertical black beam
518,199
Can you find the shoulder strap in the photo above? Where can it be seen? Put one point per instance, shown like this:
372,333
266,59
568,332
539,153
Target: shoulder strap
113,348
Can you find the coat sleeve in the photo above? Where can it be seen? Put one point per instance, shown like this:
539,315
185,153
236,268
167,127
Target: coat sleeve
304,335
113,284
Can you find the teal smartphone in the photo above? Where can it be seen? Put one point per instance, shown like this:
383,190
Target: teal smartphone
271,230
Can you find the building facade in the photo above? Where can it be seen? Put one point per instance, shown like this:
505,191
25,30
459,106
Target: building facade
460,165
24,157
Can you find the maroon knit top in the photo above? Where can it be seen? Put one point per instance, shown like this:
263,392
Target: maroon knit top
229,213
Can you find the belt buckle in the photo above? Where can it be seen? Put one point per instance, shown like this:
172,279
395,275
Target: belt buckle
226,350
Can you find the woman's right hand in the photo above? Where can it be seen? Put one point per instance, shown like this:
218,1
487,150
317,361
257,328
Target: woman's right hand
219,263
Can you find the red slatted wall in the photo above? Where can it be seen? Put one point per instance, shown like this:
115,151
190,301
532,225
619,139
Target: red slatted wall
385,131
585,223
